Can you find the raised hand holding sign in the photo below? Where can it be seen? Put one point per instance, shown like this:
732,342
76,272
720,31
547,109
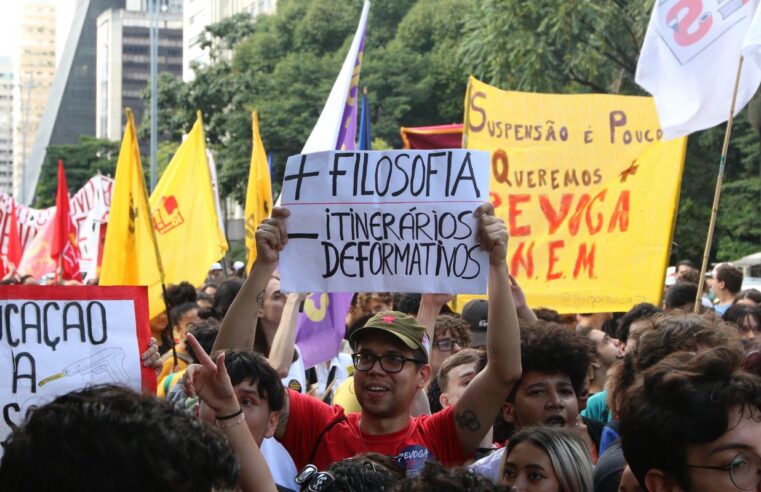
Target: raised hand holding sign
394,221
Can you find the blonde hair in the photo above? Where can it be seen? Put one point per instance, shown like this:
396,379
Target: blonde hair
567,452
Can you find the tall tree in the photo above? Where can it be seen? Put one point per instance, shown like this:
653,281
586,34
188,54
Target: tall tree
82,160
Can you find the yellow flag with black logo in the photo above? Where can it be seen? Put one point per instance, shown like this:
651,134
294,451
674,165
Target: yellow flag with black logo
259,194
128,253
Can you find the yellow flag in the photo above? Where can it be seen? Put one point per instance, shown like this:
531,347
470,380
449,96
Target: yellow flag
588,189
259,194
129,254
184,216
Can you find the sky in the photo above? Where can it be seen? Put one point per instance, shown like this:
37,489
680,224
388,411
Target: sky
10,18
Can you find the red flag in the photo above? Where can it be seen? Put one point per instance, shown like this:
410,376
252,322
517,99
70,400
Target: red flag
64,249
13,253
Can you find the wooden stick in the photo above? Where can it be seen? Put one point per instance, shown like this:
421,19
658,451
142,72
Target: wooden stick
717,193
168,331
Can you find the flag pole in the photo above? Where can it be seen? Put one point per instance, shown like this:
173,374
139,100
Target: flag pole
160,266
717,193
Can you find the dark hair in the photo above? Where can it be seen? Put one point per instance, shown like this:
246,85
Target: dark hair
253,367
683,400
455,325
680,295
357,324
111,438
553,349
731,276
178,311
223,299
369,472
206,332
180,294
547,314
202,296
643,310
433,392
408,304
668,333
685,263
737,313
436,478
752,294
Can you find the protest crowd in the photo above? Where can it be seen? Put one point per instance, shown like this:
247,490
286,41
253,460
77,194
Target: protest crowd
419,397
251,380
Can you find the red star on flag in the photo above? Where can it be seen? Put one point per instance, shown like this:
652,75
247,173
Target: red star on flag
388,319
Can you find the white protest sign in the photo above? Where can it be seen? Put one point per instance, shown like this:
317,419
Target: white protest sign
54,340
393,221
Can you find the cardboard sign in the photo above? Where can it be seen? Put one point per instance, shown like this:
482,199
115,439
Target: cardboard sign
588,190
395,221
54,340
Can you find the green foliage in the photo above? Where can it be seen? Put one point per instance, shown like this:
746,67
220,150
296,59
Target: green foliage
418,54
81,161
739,227
550,46
580,46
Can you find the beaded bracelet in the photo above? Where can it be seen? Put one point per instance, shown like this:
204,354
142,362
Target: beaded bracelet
224,424
232,415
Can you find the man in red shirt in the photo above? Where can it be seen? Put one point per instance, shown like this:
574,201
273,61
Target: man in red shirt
392,366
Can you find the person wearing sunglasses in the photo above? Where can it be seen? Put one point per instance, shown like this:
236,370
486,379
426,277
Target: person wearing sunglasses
692,423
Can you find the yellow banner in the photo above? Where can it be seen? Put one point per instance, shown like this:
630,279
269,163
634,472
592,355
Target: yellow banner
588,190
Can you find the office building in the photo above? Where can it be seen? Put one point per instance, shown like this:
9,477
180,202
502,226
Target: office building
197,14
70,108
123,62
34,76
6,125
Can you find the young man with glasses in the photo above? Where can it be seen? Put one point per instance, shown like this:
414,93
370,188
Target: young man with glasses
692,423
451,335
392,366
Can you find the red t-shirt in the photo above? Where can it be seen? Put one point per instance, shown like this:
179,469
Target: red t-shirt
426,438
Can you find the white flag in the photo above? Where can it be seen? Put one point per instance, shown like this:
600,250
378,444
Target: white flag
689,61
752,44
326,132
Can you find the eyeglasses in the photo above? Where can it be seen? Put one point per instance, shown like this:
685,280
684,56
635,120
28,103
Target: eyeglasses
447,344
391,363
744,470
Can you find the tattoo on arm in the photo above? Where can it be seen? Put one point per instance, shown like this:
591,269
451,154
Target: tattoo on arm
467,420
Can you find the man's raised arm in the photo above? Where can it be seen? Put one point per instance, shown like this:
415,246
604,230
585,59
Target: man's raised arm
482,400
239,326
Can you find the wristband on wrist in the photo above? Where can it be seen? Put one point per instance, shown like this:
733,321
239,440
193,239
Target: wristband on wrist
231,416
232,422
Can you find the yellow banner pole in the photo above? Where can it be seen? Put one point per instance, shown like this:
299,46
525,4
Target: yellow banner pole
160,266
717,193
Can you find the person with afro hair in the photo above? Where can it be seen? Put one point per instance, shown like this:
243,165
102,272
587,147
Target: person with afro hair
555,362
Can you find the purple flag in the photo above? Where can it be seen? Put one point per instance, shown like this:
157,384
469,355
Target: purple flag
323,322
321,326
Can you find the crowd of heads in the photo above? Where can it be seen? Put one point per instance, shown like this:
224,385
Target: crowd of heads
662,398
